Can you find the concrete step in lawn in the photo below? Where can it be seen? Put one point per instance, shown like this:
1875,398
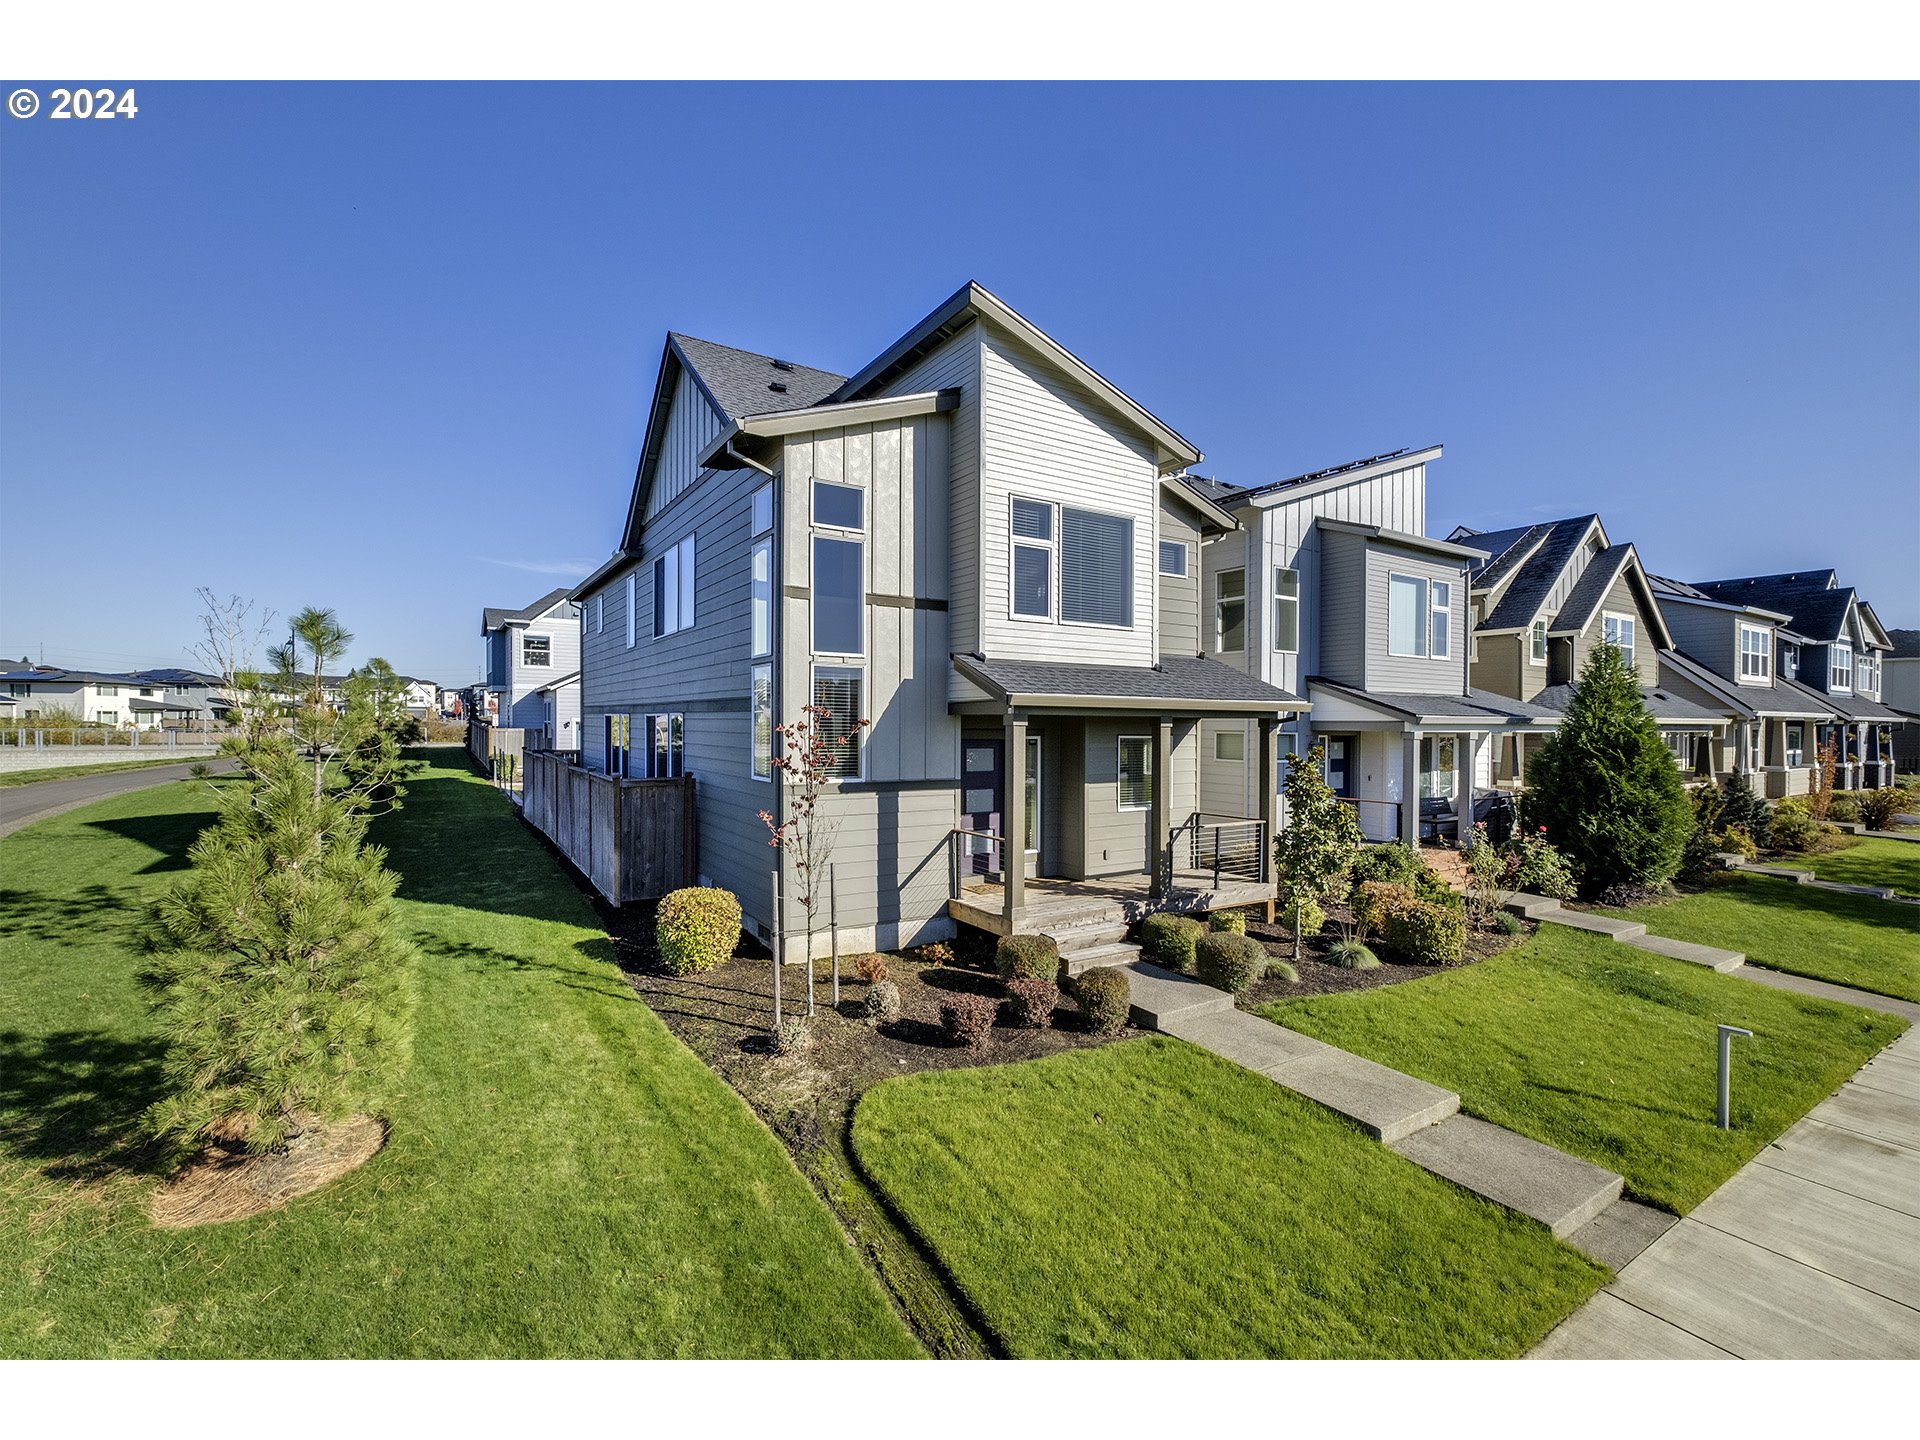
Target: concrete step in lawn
1621,1231
1533,907
1626,930
1707,955
1556,1189
1158,996
1078,962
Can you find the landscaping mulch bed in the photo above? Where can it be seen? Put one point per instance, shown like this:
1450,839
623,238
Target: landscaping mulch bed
1319,977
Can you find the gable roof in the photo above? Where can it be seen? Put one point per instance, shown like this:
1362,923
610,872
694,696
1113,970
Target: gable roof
1815,605
1906,644
1532,580
492,619
741,382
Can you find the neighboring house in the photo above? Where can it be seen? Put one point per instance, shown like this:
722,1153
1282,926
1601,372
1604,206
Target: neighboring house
1831,648
1545,598
1900,689
526,650
1724,659
970,544
147,699
1331,588
423,697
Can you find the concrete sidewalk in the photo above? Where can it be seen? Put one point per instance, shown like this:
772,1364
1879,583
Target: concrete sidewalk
1811,1251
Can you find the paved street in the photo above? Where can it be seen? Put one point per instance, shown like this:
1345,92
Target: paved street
1812,1251
23,804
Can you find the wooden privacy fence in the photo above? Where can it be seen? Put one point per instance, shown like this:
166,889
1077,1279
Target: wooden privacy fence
632,839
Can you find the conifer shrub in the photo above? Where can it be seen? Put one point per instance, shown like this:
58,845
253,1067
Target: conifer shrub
1105,999
792,1035
882,1001
1030,1002
696,929
1229,962
1027,957
872,968
967,1020
1741,805
1168,940
1427,934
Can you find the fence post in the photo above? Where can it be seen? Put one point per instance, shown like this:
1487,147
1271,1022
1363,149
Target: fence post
833,921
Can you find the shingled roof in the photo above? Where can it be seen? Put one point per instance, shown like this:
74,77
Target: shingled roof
741,383
1817,606
1534,579
492,619
1178,680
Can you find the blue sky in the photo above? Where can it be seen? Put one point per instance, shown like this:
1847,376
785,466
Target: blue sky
389,348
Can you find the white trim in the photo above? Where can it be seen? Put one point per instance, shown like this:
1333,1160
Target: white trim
813,597
753,740
1186,560
859,741
1632,626
1119,772
1220,646
1059,608
1536,634
1294,600
1050,546
1435,608
1765,653
633,577
1422,609
1036,754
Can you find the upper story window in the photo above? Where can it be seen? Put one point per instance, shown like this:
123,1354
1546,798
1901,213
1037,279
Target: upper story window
1789,661
630,604
839,581
1537,643
103,691
673,589
146,692
1756,652
14,687
1840,667
1096,568
763,509
1419,617
1619,630
1866,674
839,507
1173,558
1031,525
760,573
1286,610
536,650
1230,610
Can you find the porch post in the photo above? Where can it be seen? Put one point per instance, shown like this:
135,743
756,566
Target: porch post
1466,759
1519,759
1013,824
1410,791
1269,791
1160,815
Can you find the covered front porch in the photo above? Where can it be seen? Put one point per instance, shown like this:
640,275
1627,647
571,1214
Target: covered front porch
1050,901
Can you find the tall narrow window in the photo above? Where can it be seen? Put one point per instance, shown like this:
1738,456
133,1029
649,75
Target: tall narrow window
838,691
1796,744
763,509
630,608
600,613
1033,794
1406,615
673,589
1436,767
1756,653
614,757
1136,772
1840,667
662,746
762,722
839,596
1619,631
1440,643
1286,610
761,585
1230,610
1539,642
1096,568
1032,539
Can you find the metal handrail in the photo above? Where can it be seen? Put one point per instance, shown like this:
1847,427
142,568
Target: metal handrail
954,855
1236,847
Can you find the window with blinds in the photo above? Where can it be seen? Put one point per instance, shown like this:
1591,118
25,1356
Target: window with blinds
1032,528
1173,558
1096,568
1136,772
839,692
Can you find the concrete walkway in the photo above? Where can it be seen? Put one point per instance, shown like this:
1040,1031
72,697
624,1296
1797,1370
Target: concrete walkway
1814,882
21,805
1811,1251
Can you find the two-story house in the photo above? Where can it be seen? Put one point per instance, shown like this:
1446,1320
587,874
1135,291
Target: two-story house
977,544
533,669
1900,689
1724,658
1331,588
1544,598
1831,646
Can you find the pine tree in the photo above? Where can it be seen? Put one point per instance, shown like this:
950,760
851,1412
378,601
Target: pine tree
1605,787
376,724
282,982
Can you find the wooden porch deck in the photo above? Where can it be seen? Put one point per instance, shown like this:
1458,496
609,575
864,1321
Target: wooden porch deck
1052,902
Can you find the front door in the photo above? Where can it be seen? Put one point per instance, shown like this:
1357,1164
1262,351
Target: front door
983,778
1340,765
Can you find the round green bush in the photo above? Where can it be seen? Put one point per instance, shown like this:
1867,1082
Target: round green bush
1030,1002
1227,922
1169,940
1352,955
1229,962
1427,934
1104,997
1794,827
1027,957
1310,920
1395,863
696,929
1372,899
1507,924
883,1000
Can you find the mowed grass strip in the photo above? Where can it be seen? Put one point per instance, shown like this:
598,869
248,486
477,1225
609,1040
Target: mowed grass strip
1824,934
1608,1053
1887,864
1148,1199
107,767
564,1177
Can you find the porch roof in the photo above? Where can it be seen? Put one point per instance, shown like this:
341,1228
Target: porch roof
1180,682
1475,710
1780,699
1847,707
1665,705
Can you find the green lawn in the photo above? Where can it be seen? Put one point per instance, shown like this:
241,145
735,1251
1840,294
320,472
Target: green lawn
1889,864
564,1177
1846,939
74,772
1150,1199
1607,1052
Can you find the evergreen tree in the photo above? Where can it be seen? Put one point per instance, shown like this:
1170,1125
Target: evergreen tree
281,978
1319,841
376,724
1605,787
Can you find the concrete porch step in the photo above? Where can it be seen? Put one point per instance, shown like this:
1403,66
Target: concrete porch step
1599,924
1159,996
1086,935
1707,955
1078,962
1533,907
1556,1189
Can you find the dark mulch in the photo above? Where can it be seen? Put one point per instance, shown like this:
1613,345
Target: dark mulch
1319,977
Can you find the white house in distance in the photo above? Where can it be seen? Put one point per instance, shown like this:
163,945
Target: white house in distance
533,668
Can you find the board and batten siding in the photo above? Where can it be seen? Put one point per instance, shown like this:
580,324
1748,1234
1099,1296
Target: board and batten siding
1179,608
1046,438
692,425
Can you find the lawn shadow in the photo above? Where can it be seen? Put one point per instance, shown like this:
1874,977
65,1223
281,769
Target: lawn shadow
168,836
64,919
74,1098
576,977
1786,895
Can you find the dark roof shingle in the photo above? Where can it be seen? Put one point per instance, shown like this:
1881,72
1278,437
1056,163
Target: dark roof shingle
492,619
1817,606
741,382
1177,679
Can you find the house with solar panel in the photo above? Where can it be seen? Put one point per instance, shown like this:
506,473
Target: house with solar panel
1544,598
985,549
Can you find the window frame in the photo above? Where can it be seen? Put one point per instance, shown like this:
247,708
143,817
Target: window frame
814,541
1050,548
1230,734
813,506
106,692
1145,742
1537,643
1793,752
633,579
1761,673
1185,560
859,739
1126,571
1422,609
760,605
675,764
1430,745
527,662
758,675
1631,624
1439,619
1280,600
1036,759
1220,646
682,553
1837,677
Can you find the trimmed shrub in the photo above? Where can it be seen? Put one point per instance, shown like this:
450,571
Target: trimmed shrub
1372,899
1735,840
1428,886
1427,934
792,1035
1227,922
1104,997
967,1020
883,1000
1395,863
1027,957
1310,920
1168,940
696,929
1030,1002
1877,808
1353,954
1507,924
1229,962
1794,827
1843,808
872,968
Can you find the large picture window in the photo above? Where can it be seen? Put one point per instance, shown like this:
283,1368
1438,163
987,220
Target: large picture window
1619,631
839,690
1136,772
673,589
1286,610
1096,568
762,722
1756,652
536,650
1406,615
1031,524
1230,610
839,596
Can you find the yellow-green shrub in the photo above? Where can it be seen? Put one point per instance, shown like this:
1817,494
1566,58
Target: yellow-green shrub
696,929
